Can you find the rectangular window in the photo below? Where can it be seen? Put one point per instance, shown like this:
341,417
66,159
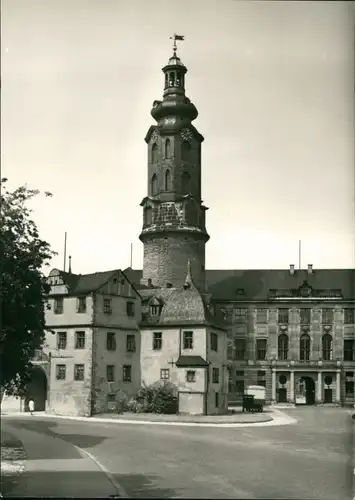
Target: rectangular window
127,373
261,348
131,343
261,315
240,349
349,388
111,341
283,316
107,306
79,340
165,374
349,374
348,350
305,316
239,373
190,376
215,375
111,398
110,373
130,309
157,341
58,305
216,397
261,378
240,315
230,381
81,305
188,340
327,316
78,372
349,316
214,342
61,340
239,387
61,371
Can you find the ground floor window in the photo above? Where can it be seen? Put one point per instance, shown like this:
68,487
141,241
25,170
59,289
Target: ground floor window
239,387
217,399
349,389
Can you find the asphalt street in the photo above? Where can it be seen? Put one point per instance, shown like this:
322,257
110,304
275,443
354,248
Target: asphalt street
311,459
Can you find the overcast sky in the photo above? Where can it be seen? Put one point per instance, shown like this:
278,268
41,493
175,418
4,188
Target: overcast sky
274,86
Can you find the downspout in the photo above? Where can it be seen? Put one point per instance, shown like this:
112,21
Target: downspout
207,374
93,356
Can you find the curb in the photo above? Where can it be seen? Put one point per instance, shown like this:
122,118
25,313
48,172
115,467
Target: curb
279,419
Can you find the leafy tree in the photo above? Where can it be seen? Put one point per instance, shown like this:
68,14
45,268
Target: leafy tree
23,288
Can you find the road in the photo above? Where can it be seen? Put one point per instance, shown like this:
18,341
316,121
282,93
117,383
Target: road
311,459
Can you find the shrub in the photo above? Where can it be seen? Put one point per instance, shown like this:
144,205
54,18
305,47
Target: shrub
154,399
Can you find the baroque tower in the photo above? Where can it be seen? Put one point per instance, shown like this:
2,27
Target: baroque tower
174,229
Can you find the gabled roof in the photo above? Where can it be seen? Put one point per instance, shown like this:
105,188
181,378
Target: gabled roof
248,285
80,284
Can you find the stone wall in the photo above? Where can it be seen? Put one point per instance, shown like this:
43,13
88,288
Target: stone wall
165,260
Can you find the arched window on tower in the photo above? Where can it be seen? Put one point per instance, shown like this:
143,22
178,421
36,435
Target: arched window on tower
178,79
282,347
172,79
148,215
154,185
305,347
185,150
167,148
185,183
166,80
327,347
154,153
167,181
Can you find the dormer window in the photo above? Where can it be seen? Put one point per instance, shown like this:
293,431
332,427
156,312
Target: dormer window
155,309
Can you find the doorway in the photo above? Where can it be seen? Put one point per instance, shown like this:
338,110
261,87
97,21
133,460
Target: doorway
37,389
309,390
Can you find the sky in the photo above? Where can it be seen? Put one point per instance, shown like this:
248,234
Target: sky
274,86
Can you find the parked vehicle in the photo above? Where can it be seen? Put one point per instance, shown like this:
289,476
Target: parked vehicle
254,398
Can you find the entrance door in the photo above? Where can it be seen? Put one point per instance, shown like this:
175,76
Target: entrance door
328,396
309,390
37,389
282,395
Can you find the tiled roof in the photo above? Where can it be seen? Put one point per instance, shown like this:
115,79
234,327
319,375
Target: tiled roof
87,283
191,361
229,284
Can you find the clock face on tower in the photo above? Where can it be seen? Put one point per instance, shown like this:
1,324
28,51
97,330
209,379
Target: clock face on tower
186,134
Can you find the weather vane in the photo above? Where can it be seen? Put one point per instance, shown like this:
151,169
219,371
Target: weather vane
176,37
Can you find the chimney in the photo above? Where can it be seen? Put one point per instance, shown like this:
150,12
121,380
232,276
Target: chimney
292,269
310,268
69,270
